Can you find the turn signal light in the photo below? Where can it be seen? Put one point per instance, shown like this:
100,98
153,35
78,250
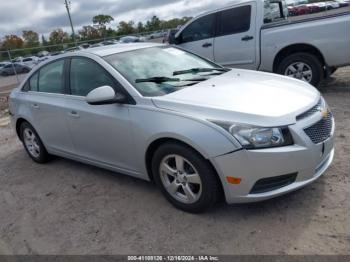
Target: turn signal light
233,180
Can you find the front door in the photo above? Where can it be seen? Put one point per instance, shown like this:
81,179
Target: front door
100,133
235,41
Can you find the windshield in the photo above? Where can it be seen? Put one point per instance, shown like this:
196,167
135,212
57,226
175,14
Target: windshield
152,70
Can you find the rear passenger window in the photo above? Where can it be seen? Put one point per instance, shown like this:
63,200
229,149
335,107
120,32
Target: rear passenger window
51,78
202,28
33,82
86,75
233,21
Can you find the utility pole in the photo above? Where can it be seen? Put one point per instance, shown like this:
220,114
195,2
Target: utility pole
67,4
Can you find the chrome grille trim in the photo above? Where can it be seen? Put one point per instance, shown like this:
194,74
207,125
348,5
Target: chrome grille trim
322,130
311,111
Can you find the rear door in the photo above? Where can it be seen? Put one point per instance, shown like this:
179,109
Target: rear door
235,41
46,102
198,37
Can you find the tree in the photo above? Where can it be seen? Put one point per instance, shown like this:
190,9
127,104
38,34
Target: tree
12,42
153,24
89,33
126,28
43,40
101,22
31,38
140,27
58,36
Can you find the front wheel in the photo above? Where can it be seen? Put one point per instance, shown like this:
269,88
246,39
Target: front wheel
303,66
185,178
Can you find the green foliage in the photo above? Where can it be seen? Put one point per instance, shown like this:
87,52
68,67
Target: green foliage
31,38
102,20
126,28
58,36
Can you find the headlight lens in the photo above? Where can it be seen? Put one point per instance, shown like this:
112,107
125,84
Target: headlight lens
254,137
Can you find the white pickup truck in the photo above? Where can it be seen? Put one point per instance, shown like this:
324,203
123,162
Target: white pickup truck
308,41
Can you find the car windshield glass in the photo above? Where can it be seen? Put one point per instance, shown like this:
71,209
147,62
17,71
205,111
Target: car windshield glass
149,69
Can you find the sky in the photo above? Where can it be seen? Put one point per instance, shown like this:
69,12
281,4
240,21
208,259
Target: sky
43,16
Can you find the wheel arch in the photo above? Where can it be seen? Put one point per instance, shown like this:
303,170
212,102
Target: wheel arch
160,141
297,48
19,122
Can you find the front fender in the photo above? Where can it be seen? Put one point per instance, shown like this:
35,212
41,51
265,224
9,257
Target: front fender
198,134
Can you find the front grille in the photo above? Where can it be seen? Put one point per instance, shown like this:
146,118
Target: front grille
311,111
272,183
322,130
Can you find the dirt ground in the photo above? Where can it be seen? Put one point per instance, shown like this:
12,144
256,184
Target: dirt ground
69,208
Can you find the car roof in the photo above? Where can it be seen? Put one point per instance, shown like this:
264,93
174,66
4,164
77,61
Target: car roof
118,48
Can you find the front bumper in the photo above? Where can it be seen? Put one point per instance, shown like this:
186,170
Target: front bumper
308,160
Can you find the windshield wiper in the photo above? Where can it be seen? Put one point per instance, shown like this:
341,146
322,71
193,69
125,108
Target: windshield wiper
157,80
199,70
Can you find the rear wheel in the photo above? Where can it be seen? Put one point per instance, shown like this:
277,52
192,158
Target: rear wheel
185,178
4,74
33,144
303,66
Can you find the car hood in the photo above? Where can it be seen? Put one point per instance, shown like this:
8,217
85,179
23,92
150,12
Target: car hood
244,96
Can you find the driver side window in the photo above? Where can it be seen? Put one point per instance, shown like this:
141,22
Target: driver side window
200,29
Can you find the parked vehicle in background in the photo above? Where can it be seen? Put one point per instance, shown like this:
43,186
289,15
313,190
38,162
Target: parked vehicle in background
56,53
170,35
129,39
16,67
201,132
30,61
308,46
43,54
158,34
3,64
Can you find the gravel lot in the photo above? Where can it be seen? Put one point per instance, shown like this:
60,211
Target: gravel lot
69,208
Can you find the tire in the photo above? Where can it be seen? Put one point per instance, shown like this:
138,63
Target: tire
4,74
198,176
33,144
332,70
26,70
311,63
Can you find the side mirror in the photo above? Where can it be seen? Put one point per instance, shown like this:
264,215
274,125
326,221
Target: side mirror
173,40
105,95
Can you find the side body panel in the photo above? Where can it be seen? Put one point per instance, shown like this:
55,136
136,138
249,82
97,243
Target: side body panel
329,35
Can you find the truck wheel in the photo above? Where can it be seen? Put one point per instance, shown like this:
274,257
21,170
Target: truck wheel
303,66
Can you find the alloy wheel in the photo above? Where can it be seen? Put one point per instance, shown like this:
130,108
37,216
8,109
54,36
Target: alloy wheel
31,142
180,179
300,71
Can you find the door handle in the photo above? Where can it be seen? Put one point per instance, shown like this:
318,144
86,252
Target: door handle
73,114
247,38
35,106
206,45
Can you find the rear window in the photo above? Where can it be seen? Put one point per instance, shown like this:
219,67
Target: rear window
51,77
234,21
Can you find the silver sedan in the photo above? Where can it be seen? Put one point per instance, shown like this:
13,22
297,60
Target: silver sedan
198,130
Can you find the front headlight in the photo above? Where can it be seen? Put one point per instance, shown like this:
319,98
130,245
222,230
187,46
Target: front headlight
254,137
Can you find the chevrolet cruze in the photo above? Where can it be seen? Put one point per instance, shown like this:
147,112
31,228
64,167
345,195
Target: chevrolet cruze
198,130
